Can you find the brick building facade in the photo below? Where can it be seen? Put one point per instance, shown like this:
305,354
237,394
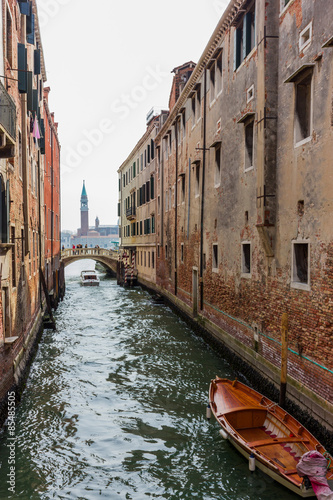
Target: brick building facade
244,232
22,151
54,271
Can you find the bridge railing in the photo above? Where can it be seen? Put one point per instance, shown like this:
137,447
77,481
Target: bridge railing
85,252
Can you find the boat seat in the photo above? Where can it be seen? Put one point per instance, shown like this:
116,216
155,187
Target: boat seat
286,439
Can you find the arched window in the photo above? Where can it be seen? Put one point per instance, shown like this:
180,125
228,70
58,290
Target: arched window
3,211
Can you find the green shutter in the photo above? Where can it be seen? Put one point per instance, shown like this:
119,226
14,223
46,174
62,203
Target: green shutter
152,187
29,92
22,68
247,34
37,61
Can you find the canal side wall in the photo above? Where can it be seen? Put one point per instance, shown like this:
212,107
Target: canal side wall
312,410
15,363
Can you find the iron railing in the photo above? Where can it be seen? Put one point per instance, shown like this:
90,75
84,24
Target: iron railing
7,112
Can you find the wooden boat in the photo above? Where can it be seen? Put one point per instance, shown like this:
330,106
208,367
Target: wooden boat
260,429
89,278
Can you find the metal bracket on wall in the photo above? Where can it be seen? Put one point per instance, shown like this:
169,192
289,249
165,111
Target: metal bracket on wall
265,196
264,38
266,118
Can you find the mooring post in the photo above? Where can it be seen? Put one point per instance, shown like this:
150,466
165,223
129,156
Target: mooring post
284,360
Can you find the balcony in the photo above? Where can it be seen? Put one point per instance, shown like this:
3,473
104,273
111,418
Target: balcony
7,124
130,213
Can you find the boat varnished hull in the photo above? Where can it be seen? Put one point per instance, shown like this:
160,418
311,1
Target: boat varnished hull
255,424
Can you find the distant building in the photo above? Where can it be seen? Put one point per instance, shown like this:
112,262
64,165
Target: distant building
103,236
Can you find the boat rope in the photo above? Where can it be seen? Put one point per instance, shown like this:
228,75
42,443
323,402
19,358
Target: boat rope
328,458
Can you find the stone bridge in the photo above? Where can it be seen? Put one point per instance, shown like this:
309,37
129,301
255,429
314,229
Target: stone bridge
107,257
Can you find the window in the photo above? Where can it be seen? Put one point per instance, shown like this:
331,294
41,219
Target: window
197,179
158,205
215,263
184,123
152,193
305,37
3,212
193,110
218,81
182,252
244,37
158,251
182,191
148,259
166,251
217,177
303,108
153,260
250,94
9,39
300,265
246,258
248,129
134,169
212,83
153,224
215,76
12,230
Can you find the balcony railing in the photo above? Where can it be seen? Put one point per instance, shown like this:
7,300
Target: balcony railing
7,112
130,213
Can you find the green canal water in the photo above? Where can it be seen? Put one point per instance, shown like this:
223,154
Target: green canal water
115,408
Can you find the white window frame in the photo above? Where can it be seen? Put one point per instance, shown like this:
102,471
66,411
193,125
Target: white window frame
309,137
246,124
215,265
294,280
244,272
303,45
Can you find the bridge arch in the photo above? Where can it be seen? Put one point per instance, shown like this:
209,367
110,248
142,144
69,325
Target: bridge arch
107,257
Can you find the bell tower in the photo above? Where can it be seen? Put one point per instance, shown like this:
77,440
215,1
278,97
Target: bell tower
84,211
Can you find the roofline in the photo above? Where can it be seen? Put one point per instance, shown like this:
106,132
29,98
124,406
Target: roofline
39,39
141,141
223,25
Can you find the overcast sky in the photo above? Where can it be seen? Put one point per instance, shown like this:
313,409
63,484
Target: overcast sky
108,63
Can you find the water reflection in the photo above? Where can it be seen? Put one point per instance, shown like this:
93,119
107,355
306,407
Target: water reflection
115,404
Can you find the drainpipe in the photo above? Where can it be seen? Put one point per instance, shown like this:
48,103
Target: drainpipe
162,193
39,228
203,191
52,211
176,201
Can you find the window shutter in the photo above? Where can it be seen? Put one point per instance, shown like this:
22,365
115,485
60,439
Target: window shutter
22,68
247,33
29,91
37,61
237,48
35,100
31,29
25,8
152,187
42,139
134,173
152,149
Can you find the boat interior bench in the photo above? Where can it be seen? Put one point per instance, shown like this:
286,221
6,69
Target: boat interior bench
246,417
277,440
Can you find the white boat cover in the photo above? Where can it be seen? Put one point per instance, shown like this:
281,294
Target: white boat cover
314,465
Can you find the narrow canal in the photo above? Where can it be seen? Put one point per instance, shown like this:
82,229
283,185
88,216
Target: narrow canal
115,404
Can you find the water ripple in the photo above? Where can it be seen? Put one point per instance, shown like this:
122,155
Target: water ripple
114,408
